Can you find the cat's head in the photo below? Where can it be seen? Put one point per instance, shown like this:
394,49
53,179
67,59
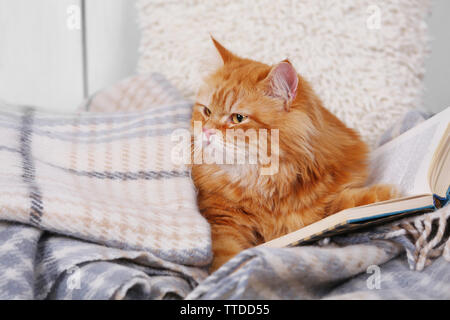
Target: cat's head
248,96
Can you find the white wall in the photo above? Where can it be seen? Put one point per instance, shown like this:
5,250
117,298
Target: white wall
437,78
46,61
40,56
112,41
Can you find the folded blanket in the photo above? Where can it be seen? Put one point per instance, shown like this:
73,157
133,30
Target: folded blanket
140,92
35,264
98,193
106,178
91,208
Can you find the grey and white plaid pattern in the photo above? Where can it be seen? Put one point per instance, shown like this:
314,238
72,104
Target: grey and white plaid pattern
18,247
338,268
105,178
38,264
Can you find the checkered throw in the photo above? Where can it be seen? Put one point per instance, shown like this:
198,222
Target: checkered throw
105,177
56,169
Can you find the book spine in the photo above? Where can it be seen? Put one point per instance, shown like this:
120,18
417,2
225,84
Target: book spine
440,202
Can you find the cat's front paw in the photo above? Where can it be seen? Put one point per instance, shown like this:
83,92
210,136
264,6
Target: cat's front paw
384,192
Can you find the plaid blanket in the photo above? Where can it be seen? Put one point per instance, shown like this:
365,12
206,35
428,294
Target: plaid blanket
382,263
107,179
84,199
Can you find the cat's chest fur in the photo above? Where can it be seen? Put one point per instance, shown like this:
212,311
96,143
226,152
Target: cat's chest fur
269,204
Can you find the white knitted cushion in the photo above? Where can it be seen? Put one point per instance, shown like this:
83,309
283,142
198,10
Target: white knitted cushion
364,58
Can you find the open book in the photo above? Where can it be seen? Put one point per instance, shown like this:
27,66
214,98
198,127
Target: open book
417,162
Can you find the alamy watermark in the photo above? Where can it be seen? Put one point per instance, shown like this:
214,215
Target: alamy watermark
73,281
237,146
74,17
373,22
374,281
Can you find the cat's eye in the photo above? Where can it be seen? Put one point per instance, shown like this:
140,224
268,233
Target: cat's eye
237,118
206,111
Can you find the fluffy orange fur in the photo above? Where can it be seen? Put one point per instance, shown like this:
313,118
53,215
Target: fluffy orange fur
322,163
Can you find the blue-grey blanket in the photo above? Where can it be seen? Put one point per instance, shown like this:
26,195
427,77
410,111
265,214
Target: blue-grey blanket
388,262
381,263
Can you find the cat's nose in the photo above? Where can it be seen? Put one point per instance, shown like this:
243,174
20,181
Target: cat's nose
208,132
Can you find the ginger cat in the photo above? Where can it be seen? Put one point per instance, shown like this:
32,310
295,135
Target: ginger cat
322,164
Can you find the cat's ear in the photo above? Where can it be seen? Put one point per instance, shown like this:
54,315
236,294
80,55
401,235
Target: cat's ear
282,82
212,59
224,53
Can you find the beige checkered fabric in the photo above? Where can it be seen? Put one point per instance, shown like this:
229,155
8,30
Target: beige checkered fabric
105,177
134,93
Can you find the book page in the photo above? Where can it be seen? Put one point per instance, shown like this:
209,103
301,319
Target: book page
405,160
439,175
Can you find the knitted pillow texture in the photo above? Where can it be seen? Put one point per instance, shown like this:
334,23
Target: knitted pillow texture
364,58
